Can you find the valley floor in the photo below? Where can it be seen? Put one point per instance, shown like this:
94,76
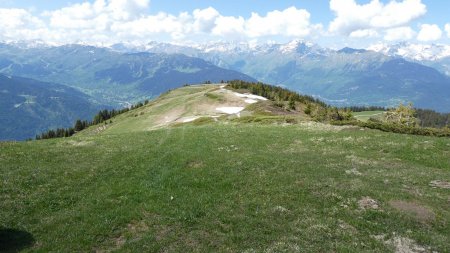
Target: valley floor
227,188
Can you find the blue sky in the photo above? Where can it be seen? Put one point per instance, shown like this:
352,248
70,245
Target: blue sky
335,23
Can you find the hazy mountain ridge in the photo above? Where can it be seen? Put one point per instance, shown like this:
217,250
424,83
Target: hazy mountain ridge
434,55
343,77
28,107
112,77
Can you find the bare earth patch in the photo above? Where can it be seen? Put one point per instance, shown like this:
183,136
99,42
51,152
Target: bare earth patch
402,244
368,203
405,245
80,143
100,129
353,171
440,184
419,212
280,209
195,164
133,231
316,126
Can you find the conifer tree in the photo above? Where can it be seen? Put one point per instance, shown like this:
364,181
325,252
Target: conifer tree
78,126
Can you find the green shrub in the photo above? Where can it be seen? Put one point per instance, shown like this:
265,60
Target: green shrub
397,128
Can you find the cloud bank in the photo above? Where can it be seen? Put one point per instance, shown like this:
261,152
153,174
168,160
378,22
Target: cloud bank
112,21
109,21
375,18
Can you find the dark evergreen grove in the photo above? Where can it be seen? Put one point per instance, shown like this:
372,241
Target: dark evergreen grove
316,108
274,93
430,118
101,117
365,108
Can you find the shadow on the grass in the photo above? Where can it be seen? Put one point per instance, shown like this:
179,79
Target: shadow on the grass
13,240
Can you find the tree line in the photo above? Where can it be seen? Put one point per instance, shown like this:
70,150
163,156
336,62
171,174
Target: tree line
365,108
425,117
404,119
316,108
430,118
274,93
101,117
401,117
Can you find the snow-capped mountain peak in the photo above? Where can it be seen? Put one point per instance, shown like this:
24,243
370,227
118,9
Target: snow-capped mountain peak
418,52
295,45
27,44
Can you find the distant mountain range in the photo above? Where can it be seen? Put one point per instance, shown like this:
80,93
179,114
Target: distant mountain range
436,56
374,76
75,81
108,76
125,73
29,107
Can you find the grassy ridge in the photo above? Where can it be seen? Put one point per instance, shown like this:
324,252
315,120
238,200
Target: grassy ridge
366,115
227,188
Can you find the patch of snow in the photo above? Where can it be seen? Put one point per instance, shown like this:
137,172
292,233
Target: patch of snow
189,119
250,96
230,110
250,101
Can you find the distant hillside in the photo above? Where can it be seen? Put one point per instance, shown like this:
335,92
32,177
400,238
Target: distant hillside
112,77
198,104
28,107
339,77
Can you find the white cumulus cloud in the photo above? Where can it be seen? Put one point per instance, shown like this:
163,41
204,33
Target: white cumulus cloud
364,33
152,25
19,23
375,15
290,22
111,21
205,19
227,27
447,29
429,32
399,33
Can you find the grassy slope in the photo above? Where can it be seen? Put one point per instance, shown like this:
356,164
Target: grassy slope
226,187
366,115
168,107
191,101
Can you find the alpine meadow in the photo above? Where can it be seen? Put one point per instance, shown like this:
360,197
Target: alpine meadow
218,126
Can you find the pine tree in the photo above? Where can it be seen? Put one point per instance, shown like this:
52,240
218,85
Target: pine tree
291,103
402,115
78,126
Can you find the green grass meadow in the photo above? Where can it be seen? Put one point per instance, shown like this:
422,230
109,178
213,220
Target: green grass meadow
366,115
227,187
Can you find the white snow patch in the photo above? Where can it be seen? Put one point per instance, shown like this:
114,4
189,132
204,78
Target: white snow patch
250,101
250,96
230,110
189,119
